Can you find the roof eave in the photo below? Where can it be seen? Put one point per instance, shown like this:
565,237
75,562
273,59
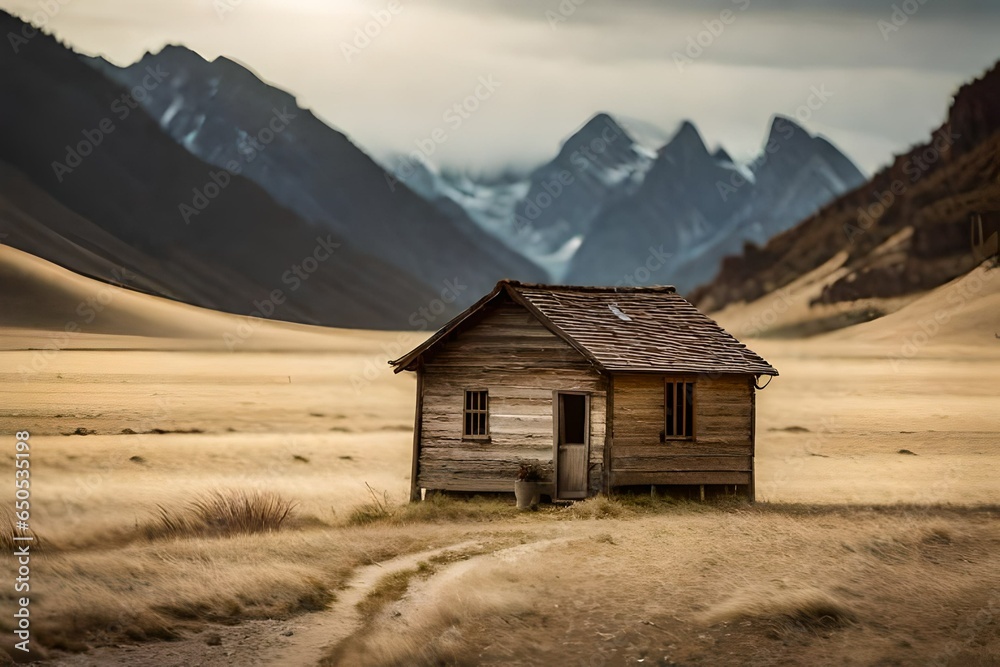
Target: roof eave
626,370
408,360
411,360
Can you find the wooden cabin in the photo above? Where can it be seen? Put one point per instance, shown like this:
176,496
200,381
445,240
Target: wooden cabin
604,388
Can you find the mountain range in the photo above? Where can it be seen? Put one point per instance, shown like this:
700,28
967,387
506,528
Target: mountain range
205,184
617,197
930,216
699,206
94,184
222,113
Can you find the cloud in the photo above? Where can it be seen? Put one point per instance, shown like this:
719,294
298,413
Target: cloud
890,90
604,11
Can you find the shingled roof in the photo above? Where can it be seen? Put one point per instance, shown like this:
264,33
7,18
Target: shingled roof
621,329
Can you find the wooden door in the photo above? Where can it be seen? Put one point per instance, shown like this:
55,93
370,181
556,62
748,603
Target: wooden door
571,426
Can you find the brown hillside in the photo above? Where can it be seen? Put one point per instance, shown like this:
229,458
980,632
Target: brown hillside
905,231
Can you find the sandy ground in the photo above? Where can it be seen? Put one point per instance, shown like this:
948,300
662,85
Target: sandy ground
122,424
964,312
829,432
860,413
274,420
829,429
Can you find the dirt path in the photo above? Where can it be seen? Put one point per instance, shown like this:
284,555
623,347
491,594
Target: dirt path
303,640
297,641
313,633
423,592
322,631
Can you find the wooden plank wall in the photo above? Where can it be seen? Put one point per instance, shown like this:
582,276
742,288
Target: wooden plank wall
520,362
721,451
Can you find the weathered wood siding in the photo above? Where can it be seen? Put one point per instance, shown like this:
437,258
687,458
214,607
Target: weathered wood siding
721,451
521,363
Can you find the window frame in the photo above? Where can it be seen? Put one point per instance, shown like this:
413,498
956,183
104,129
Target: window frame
693,425
466,411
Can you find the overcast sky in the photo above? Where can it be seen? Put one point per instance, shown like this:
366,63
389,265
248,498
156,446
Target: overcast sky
886,77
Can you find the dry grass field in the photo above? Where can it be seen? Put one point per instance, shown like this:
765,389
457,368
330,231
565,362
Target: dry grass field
858,554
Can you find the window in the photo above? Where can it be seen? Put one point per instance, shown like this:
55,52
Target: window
477,422
679,413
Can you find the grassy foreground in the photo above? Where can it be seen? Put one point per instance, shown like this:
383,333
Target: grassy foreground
861,555
674,582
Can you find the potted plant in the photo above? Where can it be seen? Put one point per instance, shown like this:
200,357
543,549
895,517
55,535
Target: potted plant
527,486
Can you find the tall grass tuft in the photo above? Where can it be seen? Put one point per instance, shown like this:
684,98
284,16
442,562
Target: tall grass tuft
804,608
375,510
220,513
434,509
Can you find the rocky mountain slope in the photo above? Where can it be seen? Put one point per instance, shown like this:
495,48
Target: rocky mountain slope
597,165
930,216
546,213
616,190
223,113
696,206
211,186
93,184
